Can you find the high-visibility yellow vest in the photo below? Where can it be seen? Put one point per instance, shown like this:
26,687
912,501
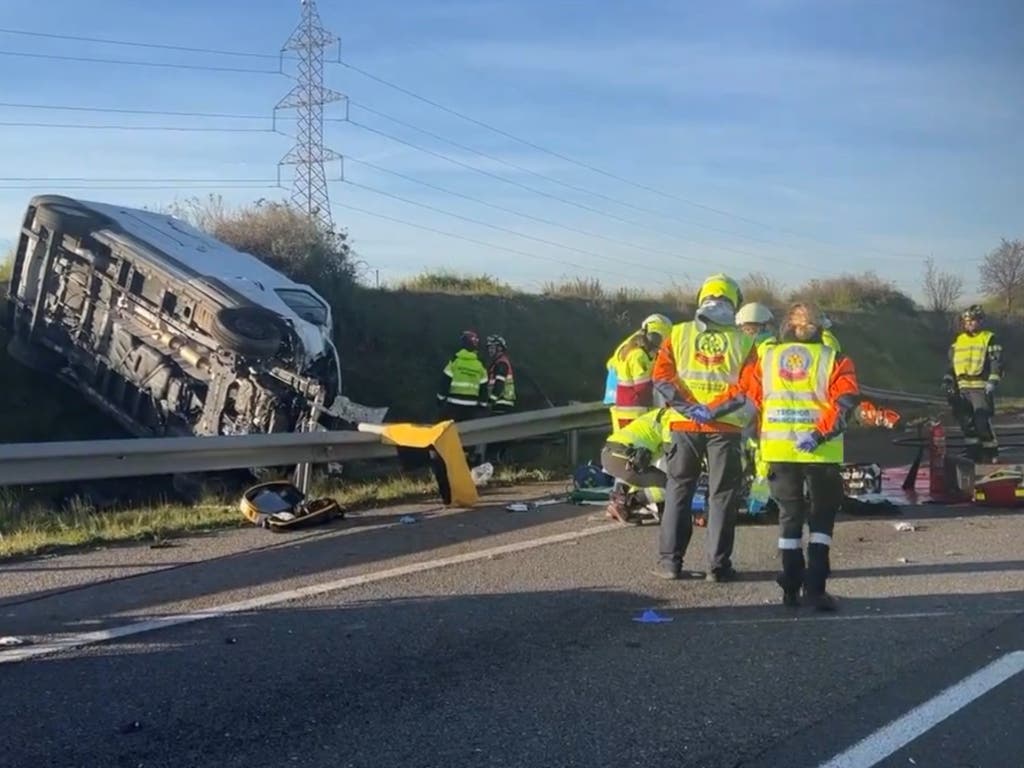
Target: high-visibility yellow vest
648,431
795,380
969,353
707,362
467,373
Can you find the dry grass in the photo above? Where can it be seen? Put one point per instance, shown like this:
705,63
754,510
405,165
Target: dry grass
447,281
29,529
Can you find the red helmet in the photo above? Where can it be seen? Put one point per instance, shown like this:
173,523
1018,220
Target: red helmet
470,339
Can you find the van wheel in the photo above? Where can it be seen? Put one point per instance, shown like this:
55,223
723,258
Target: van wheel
250,331
68,219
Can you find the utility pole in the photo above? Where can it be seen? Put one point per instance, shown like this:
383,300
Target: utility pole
308,97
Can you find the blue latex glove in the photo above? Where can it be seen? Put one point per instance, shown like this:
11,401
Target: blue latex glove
699,413
990,387
807,442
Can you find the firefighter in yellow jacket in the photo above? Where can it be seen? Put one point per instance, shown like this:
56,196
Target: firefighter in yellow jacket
975,370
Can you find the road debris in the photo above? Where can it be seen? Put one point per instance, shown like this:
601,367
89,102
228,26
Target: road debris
904,527
530,506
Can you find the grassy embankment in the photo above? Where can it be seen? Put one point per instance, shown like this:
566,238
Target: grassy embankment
394,343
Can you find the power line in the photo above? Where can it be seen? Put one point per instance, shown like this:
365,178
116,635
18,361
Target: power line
483,243
593,168
480,201
565,201
109,41
481,223
437,105
398,121
129,62
553,180
183,128
94,187
95,180
154,112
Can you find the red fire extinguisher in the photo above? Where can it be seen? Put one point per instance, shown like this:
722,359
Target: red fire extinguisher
937,462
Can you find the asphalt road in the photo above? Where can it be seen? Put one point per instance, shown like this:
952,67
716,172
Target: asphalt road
489,638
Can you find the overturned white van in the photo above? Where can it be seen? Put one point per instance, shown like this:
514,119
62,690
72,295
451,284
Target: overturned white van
167,329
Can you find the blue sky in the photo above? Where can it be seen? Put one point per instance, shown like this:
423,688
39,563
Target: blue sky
867,134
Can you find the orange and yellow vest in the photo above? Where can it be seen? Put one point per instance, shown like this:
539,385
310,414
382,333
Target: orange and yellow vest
707,363
795,379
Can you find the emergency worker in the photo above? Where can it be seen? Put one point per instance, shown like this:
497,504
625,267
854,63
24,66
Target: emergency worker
628,389
501,380
629,455
755,320
462,390
975,370
805,392
694,370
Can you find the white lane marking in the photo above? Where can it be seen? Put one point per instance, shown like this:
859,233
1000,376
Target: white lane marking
882,743
66,642
854,617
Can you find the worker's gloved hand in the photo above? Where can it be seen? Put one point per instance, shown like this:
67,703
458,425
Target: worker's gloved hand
807,442
699,413
640,459
948,385
990,387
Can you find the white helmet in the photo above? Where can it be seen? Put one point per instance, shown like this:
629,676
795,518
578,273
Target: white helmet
754,313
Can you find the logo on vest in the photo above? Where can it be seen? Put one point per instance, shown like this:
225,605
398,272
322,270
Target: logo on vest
711,347
794,364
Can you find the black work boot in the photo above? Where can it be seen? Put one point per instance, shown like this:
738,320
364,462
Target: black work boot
792,576
818,570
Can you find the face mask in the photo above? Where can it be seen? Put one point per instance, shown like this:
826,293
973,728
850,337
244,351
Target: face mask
762,336
714,312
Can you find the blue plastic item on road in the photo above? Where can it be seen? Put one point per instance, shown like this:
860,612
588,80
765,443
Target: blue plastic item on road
651,616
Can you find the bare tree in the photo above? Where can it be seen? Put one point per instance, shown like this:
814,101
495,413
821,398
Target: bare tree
1002,273
942,290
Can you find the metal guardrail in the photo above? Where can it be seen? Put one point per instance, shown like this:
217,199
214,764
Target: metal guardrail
33,463
896,395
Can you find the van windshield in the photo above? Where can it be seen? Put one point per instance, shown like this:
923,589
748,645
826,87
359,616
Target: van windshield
304,304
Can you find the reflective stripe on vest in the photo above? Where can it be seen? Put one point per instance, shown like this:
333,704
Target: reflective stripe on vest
969,353
707,362
648,431
467,373
795,382
508,393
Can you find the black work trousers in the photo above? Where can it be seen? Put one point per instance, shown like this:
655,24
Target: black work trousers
974,415
725,477
457,412
825,486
